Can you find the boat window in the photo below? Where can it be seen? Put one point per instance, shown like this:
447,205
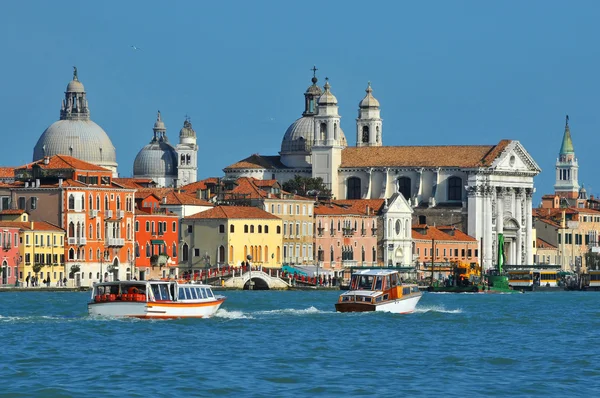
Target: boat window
188,295
164,292
388,283
378,299
406,291
346,298
181,293
385,297
394,280
204,292
194,292
378,283
209,293
415,289
156,292
365,282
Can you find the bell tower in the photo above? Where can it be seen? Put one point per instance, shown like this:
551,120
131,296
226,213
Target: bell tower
187,155
368,123
567,168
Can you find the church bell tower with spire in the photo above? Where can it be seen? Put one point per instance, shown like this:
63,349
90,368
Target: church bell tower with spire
566,185
368,124
187,153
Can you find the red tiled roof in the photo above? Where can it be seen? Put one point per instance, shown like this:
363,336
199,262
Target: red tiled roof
182,198
542,244
257,161
193,187
423,156
374,205
234,212
442,233
334,209
7,172
64,162
12,211
37,225
133,183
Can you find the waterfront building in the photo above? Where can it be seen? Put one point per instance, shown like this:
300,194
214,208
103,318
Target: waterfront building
484,190
166,165
81,198
227,235
31,248
296,213
10,258
156,239
346,236
75,134
443,245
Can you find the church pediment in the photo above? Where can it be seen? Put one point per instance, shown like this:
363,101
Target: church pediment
397,204
514,158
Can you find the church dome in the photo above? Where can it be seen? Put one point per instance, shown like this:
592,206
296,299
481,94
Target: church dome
369,101
187,130
157,159
300,136
327,98
75,134
82,139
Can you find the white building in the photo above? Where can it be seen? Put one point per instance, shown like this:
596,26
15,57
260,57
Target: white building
488,188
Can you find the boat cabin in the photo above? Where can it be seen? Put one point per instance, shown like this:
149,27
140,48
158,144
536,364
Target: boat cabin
152,291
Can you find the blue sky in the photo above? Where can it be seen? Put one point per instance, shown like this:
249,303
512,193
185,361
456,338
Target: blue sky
459,72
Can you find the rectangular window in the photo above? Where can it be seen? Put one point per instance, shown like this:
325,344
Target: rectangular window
221,228
5,203
21,202
196,252
444,252
33,203
469,253
284,229
476,253
462,253
189,229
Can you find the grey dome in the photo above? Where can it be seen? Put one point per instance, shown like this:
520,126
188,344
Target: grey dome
82,139
75,86
157,159
300,136
369,101
187,130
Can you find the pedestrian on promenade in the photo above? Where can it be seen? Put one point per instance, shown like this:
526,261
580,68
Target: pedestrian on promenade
65,281
27,280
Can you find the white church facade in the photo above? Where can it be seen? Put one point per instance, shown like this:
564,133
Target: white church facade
485,190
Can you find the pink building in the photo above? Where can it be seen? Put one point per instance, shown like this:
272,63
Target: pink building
9,256
345,236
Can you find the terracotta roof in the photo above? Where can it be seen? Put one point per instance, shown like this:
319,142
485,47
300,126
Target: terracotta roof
194,187
66,183
159,192
374,205
12,211
7,172
257,161
234,212
265,183
64,162
423,156
441,233
133,183
550,222
182,198
542,244
334,209
37,226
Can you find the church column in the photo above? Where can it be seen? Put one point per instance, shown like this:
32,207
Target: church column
487,235
518,198
369,175
386,183
419,188
528,226
499,217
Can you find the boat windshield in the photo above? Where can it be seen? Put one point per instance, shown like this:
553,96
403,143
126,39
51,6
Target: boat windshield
161,291
362,282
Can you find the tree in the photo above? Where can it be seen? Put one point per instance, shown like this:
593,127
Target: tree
306,186
37,268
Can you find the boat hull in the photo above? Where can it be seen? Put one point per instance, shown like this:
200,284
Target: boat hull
155,310
400,306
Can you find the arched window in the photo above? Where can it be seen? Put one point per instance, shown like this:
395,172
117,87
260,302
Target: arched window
118,202
278,229
398,227
266,229
353,188
91,234
335,131
365,134
91,202
455,188
251,229
147,226
182,160
323,131
245,229
71,202
331,255
374,254
378,138
137,226
231,228
137,250
188,159
260,229
221,258
71,254
98,202
98,231
105,202
184,252
363,255
148,252
404,187
174,248
71,230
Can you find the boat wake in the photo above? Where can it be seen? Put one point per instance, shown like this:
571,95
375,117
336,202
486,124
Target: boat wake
292,311
437,308
222,313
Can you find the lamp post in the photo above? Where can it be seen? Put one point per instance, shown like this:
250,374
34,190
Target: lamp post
250,283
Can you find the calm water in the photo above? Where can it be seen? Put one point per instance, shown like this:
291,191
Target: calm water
294,344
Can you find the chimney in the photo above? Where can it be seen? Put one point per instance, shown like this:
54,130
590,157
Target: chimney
26,184
46,160
60,182
367,210
37,182
164,200
31,224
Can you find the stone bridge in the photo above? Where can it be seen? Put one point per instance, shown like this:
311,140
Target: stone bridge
260,280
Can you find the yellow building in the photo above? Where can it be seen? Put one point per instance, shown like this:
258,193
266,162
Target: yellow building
227,235
42,249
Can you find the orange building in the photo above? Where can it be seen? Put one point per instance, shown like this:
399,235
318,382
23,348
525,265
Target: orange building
96,212
443,244
156,239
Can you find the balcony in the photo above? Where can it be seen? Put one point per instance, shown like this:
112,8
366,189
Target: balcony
72,241
6,246
82,241
320,231
93,213
108,214
374,231
348,231
120,213
115,242
349,263
363,232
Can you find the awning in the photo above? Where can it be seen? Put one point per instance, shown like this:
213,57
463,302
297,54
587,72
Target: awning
157,242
